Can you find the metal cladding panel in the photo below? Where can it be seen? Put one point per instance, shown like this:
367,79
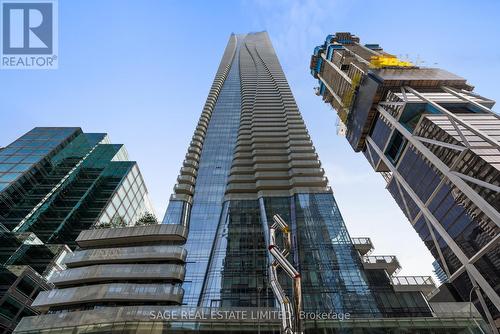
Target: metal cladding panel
118,272
361,115
139,254
426,75
114,292
150,234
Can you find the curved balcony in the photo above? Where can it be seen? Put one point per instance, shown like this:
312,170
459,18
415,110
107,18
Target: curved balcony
115,292
196,144
189,171
271,175
314,163
184,189
118,272
271,167
135,254
198,138
181,197
186,179
129,236
192,156
241,178
240,188
194,149
199,132
307,171
190,163
309,181
241,170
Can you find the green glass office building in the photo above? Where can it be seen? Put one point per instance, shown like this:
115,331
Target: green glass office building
54,183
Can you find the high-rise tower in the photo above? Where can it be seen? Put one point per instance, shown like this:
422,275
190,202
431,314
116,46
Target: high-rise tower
436,143
250,158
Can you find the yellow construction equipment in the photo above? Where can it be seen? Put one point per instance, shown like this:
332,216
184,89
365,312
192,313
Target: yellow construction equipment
388,61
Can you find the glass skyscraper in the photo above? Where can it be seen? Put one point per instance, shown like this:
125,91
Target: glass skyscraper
250,158
436,143
54,183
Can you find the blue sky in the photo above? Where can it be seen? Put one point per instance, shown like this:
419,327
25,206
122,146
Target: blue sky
141,71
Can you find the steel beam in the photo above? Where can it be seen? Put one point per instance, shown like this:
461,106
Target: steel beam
480,202
451,115
492,295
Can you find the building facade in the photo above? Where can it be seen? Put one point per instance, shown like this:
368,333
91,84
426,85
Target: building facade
439,272
436,143
54,183
136,264
250,159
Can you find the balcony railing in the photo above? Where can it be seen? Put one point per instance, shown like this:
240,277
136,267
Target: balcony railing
363,245
388,262
412,280
118,272
134,254
361,241
380,259
114,292
135,235
424,284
